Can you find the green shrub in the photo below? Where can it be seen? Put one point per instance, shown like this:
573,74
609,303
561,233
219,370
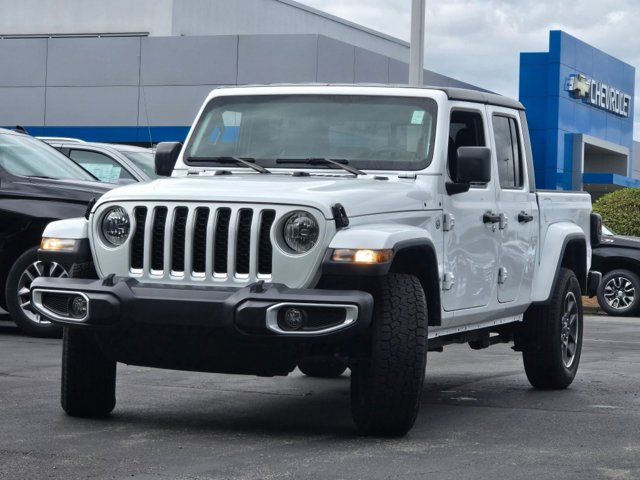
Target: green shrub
620,211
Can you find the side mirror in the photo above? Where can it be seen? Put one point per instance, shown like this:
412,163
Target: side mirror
596,229
166,157
471,165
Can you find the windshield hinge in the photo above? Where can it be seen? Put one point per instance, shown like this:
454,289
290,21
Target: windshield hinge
340,216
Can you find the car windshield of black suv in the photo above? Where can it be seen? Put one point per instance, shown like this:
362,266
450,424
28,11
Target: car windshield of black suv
24,156
289,131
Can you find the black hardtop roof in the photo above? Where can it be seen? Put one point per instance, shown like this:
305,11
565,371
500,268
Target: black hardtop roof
453,93
477,96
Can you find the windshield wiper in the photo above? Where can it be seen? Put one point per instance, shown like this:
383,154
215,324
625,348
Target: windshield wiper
343,164
247,162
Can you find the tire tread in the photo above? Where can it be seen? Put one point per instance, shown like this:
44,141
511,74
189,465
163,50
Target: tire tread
395,376
88,377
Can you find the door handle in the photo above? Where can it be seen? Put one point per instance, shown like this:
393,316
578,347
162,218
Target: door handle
490,217
524,217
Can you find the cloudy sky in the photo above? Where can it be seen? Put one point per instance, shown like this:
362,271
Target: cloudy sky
479,41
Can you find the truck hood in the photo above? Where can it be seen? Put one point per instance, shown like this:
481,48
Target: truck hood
64,189
359,196
621,241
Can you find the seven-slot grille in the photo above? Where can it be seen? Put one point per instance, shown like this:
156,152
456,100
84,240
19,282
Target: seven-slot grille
195,241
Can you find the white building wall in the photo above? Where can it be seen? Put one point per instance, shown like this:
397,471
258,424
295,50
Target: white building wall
250,17
187,17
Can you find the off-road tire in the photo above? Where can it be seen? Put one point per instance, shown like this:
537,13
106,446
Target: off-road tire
541,337
386,385
88,376
322,366
46,330
634,280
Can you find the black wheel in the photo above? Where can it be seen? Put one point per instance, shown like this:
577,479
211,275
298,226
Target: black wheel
386,386
552,336
619,293
18,296
322,366
88,376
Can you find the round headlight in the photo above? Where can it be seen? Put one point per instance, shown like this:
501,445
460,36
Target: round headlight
300,232
116,226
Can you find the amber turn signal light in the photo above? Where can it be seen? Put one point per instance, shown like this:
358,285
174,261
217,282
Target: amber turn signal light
362,256
58,244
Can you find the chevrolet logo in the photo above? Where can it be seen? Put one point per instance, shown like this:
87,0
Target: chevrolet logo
579,86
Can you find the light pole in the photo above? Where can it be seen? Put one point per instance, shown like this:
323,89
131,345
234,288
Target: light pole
416,52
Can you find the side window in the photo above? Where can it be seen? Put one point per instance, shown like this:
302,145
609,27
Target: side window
508,151
465,130
102,167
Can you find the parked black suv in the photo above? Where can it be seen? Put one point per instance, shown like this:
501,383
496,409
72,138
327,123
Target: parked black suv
38,185
618,258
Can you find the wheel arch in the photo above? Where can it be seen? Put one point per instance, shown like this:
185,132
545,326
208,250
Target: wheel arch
410,256
617,261
28,237
418,257
574,258
565,246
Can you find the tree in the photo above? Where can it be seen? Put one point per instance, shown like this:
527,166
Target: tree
620,211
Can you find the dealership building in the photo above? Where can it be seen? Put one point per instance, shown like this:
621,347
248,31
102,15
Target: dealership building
134,72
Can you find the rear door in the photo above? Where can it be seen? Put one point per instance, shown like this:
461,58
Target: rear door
516,206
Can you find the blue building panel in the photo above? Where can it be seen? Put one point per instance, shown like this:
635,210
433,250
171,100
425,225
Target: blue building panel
556,113
113,134
609,179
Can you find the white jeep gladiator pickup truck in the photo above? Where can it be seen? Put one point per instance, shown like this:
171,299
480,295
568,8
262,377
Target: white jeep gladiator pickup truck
326,227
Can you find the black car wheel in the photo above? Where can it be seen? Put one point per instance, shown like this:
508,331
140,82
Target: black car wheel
386,386
619,293
24,271
551,336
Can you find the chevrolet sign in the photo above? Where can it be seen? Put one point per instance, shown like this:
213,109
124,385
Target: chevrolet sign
599,95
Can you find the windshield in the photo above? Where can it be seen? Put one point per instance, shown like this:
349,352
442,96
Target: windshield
143,160
367,132
27,157
607,232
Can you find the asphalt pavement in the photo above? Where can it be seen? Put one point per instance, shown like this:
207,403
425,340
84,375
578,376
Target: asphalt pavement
479,420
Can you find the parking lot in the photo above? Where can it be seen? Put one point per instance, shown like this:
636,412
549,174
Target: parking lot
479,419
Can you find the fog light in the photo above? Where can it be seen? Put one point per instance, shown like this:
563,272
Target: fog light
78,306
293,318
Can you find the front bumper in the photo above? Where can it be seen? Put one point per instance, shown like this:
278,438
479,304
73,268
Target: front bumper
254,311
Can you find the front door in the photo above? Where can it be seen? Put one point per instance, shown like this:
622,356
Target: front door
471,245
516,207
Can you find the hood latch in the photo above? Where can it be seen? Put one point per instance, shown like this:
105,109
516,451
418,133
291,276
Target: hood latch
340,215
